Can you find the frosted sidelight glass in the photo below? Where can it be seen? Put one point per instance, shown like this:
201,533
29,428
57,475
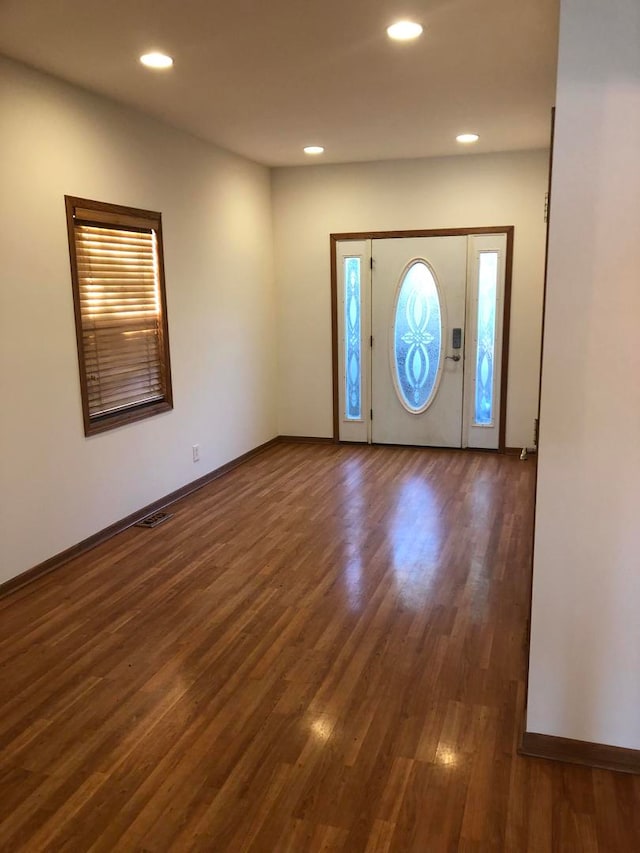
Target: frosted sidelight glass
485,371
352,339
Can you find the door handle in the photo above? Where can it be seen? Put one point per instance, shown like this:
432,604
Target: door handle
455,357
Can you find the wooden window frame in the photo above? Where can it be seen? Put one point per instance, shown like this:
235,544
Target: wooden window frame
102,214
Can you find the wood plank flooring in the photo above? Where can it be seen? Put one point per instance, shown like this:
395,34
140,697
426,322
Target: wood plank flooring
324,650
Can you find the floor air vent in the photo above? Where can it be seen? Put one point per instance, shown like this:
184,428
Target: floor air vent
154,519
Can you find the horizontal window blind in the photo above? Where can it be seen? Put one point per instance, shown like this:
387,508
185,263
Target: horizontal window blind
119,300
119,306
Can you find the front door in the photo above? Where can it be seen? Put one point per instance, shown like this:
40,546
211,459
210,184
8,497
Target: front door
418,296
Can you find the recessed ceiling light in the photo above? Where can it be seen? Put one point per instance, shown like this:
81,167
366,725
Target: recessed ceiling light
156,60
404,31
467,138
314,149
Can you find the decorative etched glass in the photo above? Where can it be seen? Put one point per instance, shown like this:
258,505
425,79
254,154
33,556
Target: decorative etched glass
417,340
487,297
352,340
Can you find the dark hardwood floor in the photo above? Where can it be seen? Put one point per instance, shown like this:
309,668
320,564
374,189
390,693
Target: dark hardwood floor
322,650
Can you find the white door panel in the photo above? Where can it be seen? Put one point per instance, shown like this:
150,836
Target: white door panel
416,390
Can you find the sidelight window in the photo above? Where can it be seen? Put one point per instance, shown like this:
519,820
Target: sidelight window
353,339
486,338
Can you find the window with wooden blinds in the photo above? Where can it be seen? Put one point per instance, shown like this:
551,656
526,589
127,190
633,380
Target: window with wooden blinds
120,308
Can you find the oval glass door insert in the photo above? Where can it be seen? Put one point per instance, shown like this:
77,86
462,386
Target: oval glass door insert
417,338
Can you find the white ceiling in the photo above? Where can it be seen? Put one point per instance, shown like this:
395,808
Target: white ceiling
266,77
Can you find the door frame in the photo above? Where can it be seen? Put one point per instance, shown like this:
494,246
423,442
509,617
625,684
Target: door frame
336,238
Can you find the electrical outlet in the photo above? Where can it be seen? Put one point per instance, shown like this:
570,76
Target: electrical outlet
196,452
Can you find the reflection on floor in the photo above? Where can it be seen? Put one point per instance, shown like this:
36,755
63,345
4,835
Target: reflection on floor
322,650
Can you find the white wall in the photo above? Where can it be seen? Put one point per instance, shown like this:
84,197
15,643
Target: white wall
584,680
56,486
471,190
